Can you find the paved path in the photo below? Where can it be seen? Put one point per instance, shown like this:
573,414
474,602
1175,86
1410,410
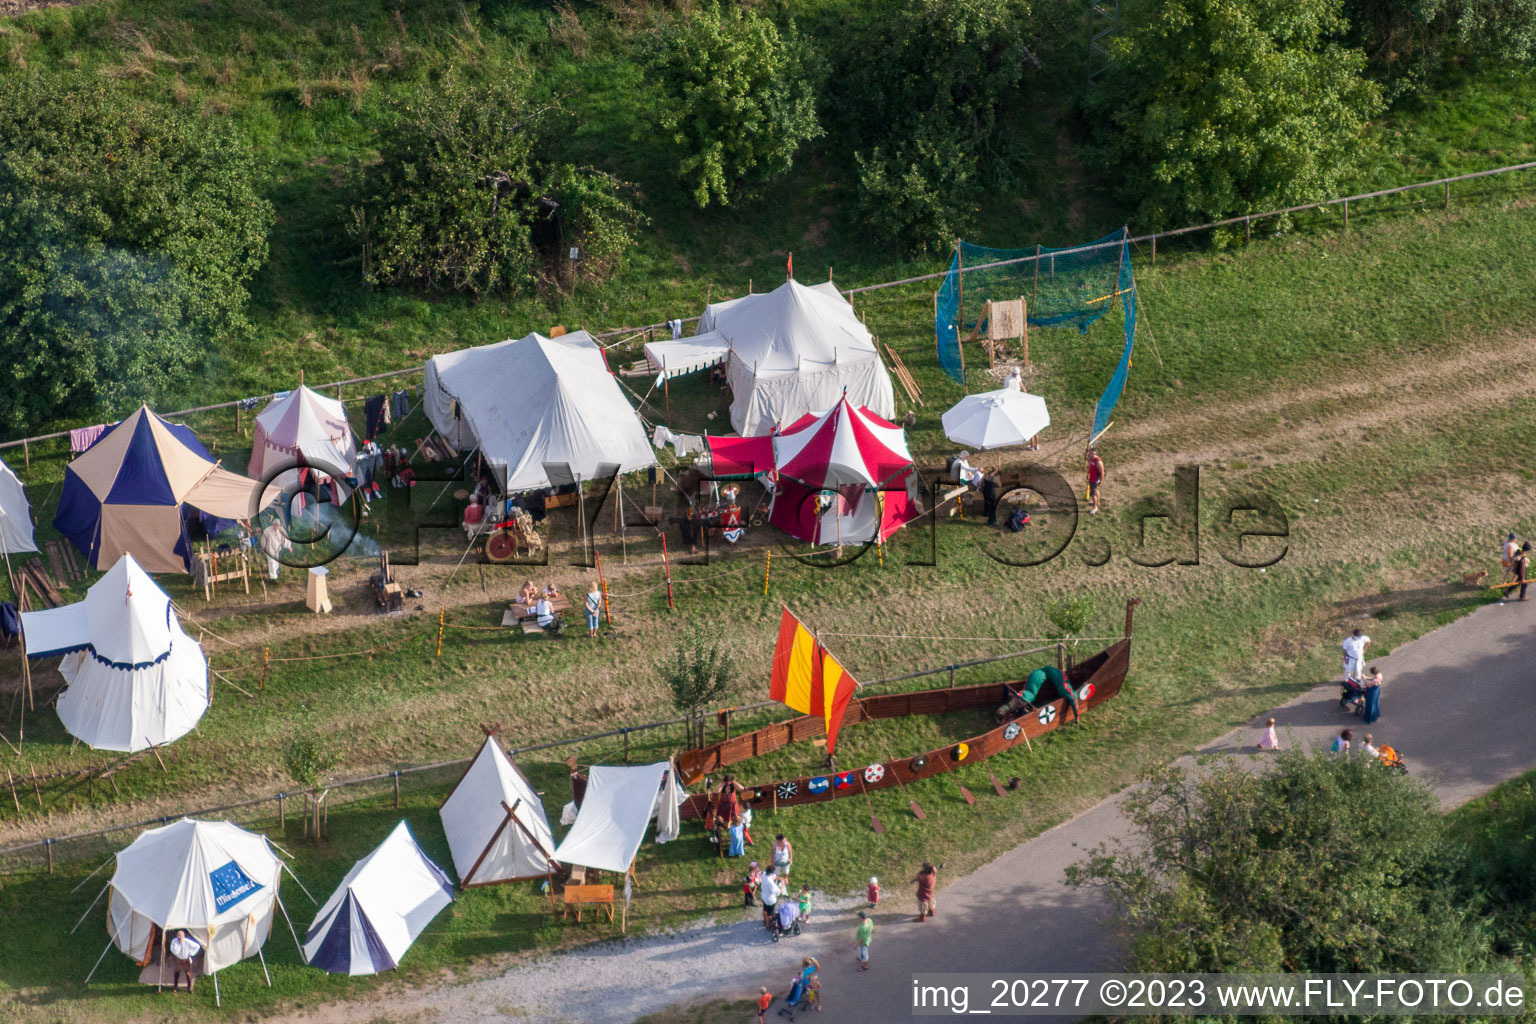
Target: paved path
1457,706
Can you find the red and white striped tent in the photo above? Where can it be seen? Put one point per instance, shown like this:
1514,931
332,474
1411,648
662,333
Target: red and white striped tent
862,459
302,428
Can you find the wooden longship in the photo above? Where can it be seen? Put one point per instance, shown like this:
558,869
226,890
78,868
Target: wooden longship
1096,680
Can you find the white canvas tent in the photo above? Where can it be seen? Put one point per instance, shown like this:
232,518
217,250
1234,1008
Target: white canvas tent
135,679
15,514
496,826
796,349
615,812
534,403
302,428
386,901
212,878
687,355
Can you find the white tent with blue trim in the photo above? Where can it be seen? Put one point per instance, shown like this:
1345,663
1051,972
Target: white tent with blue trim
386,901
135,679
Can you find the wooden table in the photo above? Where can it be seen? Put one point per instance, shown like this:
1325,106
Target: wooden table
580,896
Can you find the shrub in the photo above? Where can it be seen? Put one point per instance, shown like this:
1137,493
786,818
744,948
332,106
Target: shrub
461,199
1070,614
310,758
921,92
127,240
738,100
1217,108
1324,864
701,669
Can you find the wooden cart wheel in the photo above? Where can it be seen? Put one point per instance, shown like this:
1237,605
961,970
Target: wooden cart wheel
501,546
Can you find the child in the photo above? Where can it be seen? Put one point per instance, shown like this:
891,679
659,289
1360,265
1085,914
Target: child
865,932
805,903
749,886
1341,745
764,1000
1368,748
874,892
594,605
1269,741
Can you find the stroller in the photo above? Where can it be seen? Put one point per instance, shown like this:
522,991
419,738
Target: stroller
1352,696
798,1000
785,920
1391,759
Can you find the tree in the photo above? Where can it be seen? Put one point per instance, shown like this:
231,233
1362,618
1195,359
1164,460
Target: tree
922,91
1070,615
701,670
1405,41
310,759
1223,107
739,99
127,240
1323,864
462,197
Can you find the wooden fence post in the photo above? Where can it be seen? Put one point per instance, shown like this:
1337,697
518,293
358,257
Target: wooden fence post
1346,215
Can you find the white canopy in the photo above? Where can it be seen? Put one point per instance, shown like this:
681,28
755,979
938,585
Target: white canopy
687,355
618,806
386,901
795,349
996,419
15,514
212,878
496,826
302,428
536,403
135,679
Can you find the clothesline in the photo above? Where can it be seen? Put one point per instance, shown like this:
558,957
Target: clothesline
973,639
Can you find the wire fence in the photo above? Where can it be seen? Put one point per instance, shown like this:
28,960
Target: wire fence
281,806
1246,221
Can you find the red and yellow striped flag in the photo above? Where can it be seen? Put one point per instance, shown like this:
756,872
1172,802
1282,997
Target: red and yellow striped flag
808,679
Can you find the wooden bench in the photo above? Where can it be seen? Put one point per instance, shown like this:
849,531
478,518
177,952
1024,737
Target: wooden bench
581,896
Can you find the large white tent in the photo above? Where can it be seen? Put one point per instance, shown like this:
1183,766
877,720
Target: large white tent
616,809
302,428
496,826
15,514
795,349
386,901
136,680
534,407
212,878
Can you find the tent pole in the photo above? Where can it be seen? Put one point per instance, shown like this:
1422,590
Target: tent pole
263,959
217,1000
295,934
110,943
90,908
160,981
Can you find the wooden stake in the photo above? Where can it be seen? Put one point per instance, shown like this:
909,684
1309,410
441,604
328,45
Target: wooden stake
12,780
266,659
667,567
767,570
442,611
607,610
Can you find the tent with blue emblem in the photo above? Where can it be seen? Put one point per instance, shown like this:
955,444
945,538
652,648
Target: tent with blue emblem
386,901
134,489
212,879
136,680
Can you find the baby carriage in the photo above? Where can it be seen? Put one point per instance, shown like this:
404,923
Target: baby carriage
1352,696
798,1000
786,919
1389,757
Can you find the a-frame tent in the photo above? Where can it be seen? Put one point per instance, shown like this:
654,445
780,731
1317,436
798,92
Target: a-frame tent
496,826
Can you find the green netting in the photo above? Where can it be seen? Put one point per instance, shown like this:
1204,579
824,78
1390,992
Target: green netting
1062,287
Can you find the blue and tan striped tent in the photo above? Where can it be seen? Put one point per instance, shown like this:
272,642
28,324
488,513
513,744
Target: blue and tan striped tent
129,492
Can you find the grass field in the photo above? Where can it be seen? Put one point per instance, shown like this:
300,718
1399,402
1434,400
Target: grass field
1368,380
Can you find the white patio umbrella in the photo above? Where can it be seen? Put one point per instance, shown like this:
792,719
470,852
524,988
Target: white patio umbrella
996,419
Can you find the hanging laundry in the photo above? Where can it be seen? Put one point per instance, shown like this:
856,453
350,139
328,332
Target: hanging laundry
80,440
375,415
400,405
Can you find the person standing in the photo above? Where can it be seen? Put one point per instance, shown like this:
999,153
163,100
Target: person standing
274,541
768,892
184,950
1095,478
764,1000
927,881
1371,707
1354,654
594,605
783,856
1522,569
862,935
989,486
1507,552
